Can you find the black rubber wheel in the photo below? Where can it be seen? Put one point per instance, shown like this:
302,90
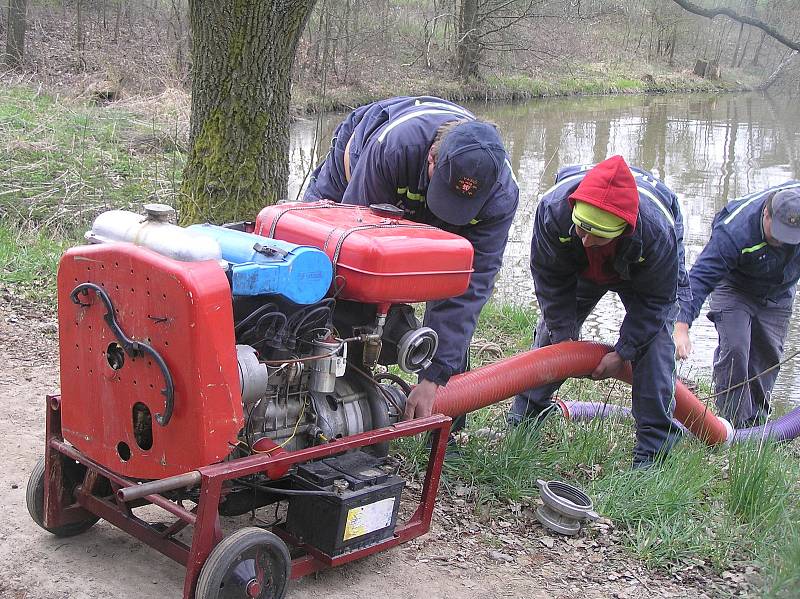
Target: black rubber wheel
34,498
249,564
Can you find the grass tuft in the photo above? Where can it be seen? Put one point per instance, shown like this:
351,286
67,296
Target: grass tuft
759,487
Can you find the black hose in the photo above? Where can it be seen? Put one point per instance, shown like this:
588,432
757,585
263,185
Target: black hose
279,491
268,306
395,379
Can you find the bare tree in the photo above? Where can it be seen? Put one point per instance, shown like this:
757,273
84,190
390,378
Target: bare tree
480,28
243,54
15,36
747,20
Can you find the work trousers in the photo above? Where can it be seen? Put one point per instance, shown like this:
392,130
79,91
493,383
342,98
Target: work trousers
653,389
751,335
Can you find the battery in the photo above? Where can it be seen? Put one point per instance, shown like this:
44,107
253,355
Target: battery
358,509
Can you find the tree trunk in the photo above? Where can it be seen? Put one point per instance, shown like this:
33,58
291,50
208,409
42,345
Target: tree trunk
239,135
754,62
777,73
79,25
117,17
467,50
175,24
738,45
744,48
15,36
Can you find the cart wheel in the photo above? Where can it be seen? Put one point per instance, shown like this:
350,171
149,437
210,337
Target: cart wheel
250,563
34,497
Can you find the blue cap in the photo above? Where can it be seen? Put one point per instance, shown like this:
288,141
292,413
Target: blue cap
785,225
467,167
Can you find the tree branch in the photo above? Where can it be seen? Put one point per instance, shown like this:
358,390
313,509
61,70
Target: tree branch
717,11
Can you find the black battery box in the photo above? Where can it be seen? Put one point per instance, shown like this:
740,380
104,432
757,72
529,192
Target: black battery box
358,508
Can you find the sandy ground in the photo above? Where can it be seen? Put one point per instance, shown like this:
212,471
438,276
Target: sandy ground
453,561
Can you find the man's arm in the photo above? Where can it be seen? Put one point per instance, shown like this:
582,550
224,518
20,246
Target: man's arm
454,319
717,259
555,275
649,306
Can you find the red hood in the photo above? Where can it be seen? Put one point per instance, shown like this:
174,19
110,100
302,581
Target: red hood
611,187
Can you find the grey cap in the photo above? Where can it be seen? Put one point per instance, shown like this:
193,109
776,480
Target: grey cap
786,216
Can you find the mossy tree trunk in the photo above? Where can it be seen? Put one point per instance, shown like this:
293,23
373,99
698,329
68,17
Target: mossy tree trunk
242,56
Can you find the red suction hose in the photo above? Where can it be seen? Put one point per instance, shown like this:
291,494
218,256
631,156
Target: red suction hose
495,382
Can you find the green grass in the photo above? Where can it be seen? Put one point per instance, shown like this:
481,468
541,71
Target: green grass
759,490
65,162
29,259
723,509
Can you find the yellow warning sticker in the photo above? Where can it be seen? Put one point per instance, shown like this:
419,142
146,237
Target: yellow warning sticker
368,518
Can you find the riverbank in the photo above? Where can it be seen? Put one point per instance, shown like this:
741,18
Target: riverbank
582,80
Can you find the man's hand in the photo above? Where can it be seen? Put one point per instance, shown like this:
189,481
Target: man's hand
683,345
609,366
420,401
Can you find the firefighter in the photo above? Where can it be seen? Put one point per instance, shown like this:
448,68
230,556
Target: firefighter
612,228
443,167
750,266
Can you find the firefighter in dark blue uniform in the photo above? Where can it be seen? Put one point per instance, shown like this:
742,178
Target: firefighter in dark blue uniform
612,228
443,167
750,266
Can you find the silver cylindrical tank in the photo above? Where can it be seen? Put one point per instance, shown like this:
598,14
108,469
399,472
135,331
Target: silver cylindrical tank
328,367
154,231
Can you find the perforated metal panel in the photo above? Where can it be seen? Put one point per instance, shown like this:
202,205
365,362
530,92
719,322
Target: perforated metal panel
110,399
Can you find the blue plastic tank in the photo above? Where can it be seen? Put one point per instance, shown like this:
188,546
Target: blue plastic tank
260,265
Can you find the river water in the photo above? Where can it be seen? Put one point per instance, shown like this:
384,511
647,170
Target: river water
707,148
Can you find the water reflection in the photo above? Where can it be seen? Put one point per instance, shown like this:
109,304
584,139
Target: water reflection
709,149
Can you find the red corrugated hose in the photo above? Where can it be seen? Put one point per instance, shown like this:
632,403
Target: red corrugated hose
495,382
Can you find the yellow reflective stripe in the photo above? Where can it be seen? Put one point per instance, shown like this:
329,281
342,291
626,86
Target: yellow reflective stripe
565,239
474,221
754,248
641,259
415,197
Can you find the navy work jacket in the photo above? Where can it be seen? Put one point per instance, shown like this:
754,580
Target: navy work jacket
649,260
738,256
389,144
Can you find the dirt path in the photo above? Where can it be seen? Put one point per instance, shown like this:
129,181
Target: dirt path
452,561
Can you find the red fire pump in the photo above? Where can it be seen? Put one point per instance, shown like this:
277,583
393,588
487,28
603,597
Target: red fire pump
211,371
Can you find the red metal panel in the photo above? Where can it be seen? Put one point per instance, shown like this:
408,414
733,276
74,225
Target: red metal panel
183,310
377,260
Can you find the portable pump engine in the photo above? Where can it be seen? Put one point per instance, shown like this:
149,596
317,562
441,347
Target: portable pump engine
182,347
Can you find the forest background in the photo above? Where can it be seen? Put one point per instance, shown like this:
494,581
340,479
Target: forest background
353,51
